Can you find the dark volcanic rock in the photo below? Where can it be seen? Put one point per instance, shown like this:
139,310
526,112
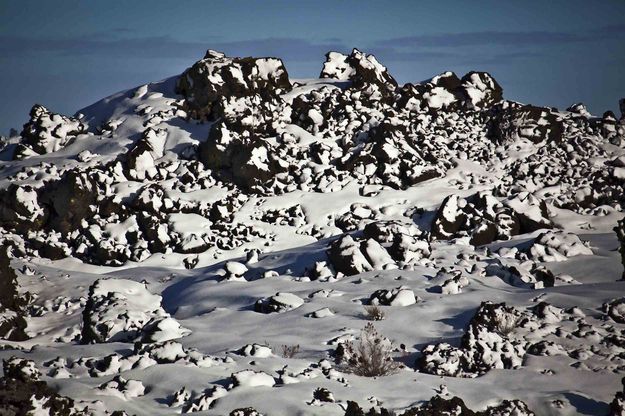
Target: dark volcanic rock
513,121
485,219
12,322
21,384
440,406
359,68
216,76
242,159
487,344
620,233
47,132
617,406
69,201
20,209
480,90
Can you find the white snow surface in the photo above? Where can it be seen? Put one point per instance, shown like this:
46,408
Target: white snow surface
212,316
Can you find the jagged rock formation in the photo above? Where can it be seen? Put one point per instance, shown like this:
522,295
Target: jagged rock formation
47,132
268,214
22,393
440,406
12,322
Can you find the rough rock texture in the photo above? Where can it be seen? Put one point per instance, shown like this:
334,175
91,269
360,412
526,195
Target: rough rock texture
620,234
12,322
617,406
441,406
384,246
278,303
486,344
216,77
22,393
514,121
120,310
47,132
360,68
484,218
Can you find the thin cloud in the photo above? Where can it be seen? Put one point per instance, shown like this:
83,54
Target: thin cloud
165,47
501,38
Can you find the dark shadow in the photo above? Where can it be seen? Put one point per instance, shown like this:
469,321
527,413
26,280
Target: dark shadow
461,320
585,405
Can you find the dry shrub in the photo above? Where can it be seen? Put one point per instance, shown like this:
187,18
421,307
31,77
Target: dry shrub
289,351
374,313
372,356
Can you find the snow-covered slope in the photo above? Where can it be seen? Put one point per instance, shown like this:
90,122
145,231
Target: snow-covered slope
220,239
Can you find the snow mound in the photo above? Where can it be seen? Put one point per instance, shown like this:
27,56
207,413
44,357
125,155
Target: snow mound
124,310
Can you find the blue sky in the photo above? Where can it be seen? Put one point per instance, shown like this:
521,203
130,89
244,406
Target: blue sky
68,54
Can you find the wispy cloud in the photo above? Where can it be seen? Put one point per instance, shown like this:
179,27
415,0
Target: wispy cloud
502,38
164,47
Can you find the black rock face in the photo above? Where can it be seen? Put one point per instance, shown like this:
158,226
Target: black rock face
443,406
217,76
514,121
11,303
21,383
47,132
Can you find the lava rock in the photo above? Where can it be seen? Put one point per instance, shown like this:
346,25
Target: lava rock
217,75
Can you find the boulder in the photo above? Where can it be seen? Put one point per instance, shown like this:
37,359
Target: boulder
216,76
47,132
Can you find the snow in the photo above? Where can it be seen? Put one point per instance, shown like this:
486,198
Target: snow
439,98
212,311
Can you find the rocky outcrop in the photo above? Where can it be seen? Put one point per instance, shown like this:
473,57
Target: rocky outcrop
47,132
385,245
23,393
484,218
12,305
513,121
487,344
120,310
363,70
217,77
446,406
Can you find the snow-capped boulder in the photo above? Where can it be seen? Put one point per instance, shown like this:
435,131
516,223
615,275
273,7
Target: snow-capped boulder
536,277
255,350
162,329
481,90
12,321
251,378
21,369
488,343
620,234
120,309
141,159
23,393
617,405
360,68
235,270
400,296
579,109
122,388
47,132
615,309
514,121
217,75
485,219
20,208
245,411
558,246
206,400
347,258
447,406
244,160
280,302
